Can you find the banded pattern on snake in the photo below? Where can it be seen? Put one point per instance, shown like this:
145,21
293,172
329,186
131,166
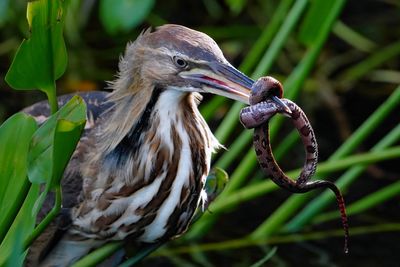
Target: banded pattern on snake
266,101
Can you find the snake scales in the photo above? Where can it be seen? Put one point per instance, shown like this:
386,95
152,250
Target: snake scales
266,101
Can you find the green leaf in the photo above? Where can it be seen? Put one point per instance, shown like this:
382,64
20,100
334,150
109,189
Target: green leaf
123,15
4,11
54,142
41,59
236,6
313,23
66,138
266,258
16,257
15,135
215,183
12,247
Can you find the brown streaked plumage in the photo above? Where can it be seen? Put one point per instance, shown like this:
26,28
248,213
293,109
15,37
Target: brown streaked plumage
139,170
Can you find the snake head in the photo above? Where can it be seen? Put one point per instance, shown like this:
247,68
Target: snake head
268,88
264,88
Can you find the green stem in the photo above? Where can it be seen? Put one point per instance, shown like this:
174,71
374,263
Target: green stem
273,240
209,108
294,82
368,202
352,37
51,96
259,189
256,190
207,220
47,220
248,64
284,147
369,125
287,209
376,59
141,255
291,21
227,125
251,59
234,150
98,255
242,142
344,181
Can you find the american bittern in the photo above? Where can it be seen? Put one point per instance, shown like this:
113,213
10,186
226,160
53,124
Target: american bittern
140,167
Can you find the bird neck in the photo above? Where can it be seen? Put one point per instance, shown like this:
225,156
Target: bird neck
134,122
130,143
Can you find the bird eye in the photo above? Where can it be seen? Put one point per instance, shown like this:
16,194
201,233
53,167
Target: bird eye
179,62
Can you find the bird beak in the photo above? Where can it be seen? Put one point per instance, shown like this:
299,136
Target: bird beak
221,79
225,80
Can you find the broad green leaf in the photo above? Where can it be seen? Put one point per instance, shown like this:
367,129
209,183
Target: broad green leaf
16,257
123,15
15,135
54,142
12,248
313,23
66,138
42,58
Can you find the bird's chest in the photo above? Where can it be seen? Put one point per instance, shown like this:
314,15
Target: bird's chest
150,193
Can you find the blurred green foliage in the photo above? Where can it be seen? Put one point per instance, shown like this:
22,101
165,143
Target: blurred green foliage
123,15
40,154
338,59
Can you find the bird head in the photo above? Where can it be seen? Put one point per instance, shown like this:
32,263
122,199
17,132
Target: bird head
171,58
179,58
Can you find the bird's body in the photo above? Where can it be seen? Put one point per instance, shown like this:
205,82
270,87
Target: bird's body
154,159
139,170
117,193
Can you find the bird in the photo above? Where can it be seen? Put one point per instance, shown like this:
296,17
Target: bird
139,169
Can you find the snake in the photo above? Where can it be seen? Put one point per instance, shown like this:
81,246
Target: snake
266,100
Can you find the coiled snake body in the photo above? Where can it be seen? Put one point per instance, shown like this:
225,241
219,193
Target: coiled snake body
266,101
